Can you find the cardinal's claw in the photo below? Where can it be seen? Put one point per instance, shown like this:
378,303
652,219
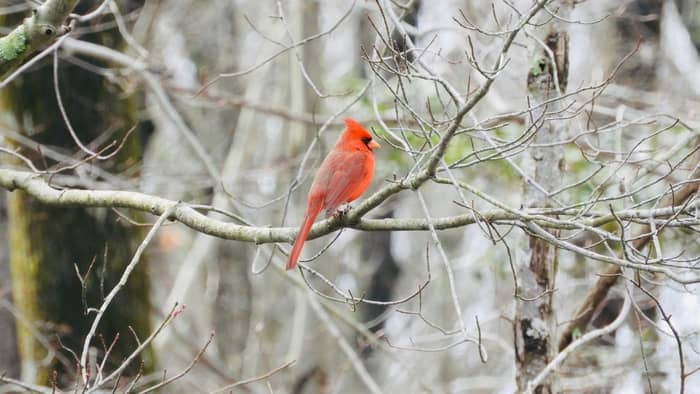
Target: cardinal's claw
342,210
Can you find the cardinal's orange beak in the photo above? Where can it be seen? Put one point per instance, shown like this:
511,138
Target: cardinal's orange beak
373,145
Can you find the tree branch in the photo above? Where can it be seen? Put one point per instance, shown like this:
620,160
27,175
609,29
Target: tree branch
36,186
584,313
43,26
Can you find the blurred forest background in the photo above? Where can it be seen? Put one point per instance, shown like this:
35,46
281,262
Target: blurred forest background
531,227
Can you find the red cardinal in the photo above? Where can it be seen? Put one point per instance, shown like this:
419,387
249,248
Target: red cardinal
344,175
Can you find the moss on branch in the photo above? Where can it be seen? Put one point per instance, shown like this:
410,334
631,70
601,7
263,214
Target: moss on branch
13,44
43,26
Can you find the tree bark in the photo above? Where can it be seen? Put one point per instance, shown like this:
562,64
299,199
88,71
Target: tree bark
9,359
536,261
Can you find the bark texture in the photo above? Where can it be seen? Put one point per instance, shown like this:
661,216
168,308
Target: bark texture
9,360
534,331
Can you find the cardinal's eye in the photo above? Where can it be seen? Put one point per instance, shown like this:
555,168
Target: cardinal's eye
366,140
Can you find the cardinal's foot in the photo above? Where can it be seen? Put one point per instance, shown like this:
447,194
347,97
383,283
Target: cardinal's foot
342,210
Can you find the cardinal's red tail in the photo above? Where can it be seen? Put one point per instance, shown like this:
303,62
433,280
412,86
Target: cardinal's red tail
312,211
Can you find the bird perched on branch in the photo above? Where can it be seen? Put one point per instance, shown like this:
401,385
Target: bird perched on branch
343,176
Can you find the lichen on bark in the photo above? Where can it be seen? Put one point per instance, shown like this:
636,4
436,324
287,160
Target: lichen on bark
13,44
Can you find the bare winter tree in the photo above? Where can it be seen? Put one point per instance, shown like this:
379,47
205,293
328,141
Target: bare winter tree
531,226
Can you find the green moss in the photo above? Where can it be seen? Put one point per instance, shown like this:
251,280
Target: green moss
576,334
537,66
13,44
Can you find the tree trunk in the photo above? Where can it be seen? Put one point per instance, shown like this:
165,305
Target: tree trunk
9,360
46,242
535,323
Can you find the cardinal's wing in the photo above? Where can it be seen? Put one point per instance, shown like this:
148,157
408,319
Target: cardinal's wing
346,176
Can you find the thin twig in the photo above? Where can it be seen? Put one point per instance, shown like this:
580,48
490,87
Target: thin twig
264,376
122,282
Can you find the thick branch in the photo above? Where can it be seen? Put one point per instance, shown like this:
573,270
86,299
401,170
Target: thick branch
43,26
36,186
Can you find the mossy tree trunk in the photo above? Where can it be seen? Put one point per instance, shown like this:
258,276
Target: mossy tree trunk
9,363
46,242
